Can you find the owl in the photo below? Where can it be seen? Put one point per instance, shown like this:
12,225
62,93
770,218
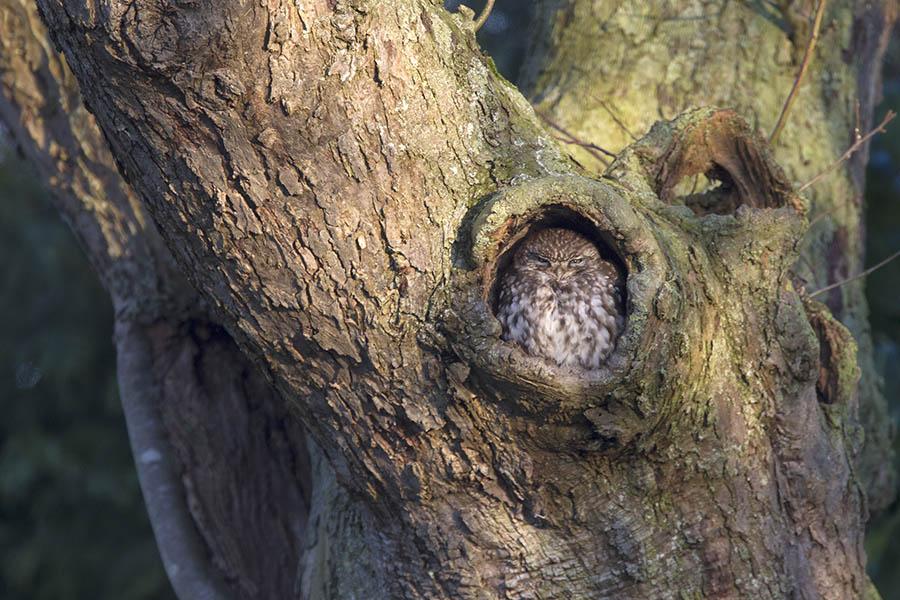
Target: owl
560,300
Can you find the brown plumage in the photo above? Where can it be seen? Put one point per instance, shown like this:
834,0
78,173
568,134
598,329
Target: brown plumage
560,300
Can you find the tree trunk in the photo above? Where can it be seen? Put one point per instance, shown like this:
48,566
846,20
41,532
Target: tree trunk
340,182
223,469
659,59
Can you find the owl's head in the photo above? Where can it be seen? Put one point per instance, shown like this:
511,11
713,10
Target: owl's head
556,252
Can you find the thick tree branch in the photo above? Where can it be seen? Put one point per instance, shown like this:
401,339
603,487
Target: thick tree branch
185,556
343,182
156,315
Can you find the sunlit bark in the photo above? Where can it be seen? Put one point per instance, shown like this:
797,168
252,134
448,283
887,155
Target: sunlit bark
339,180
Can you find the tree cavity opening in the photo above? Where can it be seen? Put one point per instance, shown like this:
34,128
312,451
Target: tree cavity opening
717,165
552,216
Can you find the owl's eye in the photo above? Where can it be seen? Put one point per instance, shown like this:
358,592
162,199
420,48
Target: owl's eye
578,260
537,258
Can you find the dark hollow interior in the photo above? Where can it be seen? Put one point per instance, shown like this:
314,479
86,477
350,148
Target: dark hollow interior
722,197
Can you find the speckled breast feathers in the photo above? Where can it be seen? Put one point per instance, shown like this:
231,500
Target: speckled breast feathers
561,300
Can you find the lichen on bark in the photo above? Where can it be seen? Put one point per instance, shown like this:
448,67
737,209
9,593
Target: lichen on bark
340,180
654,60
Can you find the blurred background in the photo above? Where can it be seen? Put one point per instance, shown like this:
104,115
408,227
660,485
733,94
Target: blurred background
72,521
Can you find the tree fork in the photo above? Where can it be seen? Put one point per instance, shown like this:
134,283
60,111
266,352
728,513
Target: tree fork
346,215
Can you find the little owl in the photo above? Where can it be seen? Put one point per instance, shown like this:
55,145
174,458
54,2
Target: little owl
560,300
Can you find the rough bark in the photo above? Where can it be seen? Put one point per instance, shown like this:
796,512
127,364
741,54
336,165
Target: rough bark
222,468
652,60
341,179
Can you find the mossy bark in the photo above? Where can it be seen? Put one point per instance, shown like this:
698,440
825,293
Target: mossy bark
340,180
606,71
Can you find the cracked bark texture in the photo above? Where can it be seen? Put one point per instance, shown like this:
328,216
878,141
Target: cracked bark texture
223,469
340,180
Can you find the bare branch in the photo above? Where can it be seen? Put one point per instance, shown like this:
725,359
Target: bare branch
817,218
880,128
807,57
483,17
617,120
865,273
576,142
569,138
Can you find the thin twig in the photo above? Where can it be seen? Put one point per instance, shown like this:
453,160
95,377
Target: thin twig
573,137
617,120
591,148
807,57
816,219
483,17
569,138
855,277
880,128
573,142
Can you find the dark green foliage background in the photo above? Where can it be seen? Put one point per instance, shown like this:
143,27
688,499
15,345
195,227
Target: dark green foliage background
72,522
883,291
